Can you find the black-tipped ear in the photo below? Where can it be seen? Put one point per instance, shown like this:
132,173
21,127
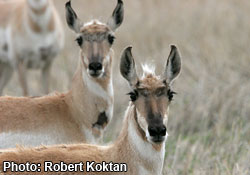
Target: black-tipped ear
127,67
72,20
117,16
173,66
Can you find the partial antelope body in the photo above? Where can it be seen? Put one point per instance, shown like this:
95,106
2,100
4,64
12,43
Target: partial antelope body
141,143
79,115
31,36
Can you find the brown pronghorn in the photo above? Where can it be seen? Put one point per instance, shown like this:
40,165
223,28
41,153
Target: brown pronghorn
79,115
141,143
31,37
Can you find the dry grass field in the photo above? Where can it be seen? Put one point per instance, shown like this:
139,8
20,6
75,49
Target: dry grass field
209,123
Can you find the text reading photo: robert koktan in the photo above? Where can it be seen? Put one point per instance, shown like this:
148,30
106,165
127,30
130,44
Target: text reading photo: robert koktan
48,166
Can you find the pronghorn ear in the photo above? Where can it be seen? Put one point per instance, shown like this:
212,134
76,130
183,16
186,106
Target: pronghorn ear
173,66
72,20
127,67
117,16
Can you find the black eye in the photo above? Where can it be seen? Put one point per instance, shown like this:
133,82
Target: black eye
79,41
171,95
111,39
133,95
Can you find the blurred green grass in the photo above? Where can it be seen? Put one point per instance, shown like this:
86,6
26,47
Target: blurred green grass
209,124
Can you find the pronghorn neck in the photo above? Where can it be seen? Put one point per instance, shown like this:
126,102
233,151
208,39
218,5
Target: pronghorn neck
93,94
151,157
39,15
37,5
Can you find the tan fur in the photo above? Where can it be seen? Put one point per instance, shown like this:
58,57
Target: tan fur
95,28
122,151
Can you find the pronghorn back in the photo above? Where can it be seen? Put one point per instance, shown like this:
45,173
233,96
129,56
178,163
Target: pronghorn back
34,121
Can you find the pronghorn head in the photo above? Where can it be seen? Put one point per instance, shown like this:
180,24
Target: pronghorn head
95,39
151,94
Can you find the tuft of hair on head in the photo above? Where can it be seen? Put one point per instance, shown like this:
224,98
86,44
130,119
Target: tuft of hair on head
94,21
148,70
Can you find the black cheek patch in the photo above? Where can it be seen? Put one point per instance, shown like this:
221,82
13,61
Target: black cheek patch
79,41
102,121
171,95
133,95
164,82
111,39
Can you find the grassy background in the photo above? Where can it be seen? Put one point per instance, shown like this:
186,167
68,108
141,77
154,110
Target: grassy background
209,124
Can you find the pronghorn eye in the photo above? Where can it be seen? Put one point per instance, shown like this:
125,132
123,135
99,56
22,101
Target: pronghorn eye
111,39
171,94
133,95
144,93
160,92
79,41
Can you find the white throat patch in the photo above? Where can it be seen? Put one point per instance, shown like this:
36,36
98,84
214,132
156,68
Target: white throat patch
97,90
146,150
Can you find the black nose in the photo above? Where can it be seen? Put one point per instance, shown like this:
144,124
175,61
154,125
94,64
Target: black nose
95,66
157,130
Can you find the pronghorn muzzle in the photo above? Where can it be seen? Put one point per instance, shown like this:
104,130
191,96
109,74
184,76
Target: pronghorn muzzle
157,130
96,56
95,69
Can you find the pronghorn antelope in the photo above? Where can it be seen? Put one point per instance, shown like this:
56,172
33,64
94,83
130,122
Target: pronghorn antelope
31,36
141,143
79,115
